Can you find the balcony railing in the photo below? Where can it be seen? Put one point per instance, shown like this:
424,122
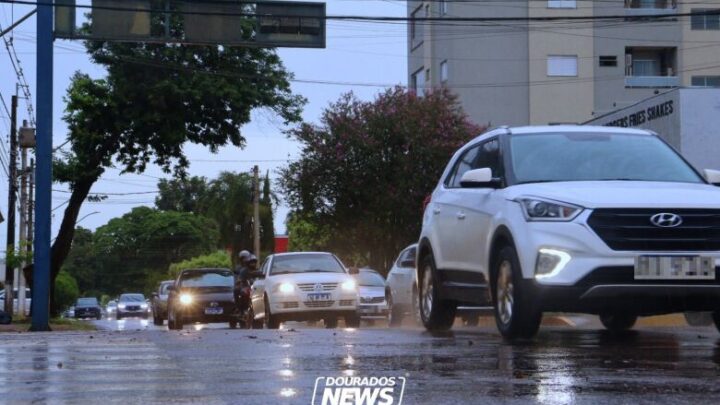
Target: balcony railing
652,81
634,7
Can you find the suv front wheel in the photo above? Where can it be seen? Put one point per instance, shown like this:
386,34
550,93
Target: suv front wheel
515,314
435,314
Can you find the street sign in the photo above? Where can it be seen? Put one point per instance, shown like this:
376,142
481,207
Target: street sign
199,22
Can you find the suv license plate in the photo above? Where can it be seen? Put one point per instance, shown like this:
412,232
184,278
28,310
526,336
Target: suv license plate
674,268
213,311
318,297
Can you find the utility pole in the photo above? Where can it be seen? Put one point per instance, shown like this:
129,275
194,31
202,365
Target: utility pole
31,208
23,222
256,210
43,172
12,190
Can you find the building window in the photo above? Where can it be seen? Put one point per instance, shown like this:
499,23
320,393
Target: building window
705,22
562,65
608,61
415,27
706,81
651,4
417,81
443,7
444,71
562,4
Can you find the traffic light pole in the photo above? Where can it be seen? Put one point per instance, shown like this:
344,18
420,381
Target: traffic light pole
43,170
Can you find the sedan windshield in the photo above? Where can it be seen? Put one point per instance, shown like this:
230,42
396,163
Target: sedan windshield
132,298
306,263
596,157
207,279
86,302
370,279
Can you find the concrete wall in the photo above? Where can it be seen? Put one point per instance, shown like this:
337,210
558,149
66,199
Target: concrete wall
700,127
700,52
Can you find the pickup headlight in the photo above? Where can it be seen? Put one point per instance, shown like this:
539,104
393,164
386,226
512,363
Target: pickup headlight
543,210
186,299
286,288
349,285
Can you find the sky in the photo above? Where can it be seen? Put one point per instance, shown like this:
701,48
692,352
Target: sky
356,52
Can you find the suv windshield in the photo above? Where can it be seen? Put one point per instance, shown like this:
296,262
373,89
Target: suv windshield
132,298
203,279
596,157
306,263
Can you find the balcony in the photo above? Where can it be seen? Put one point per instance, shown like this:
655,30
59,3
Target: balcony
650,7
652,81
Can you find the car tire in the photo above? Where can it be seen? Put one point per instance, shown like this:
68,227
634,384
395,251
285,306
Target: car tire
271,322
618,322
395,314
158,321
716,319
436,314
699,318
330,323
233,324
351,321
173,322
98,317
415,309
516,315
118,317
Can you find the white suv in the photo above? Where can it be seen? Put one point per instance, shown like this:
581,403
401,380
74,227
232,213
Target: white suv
596,220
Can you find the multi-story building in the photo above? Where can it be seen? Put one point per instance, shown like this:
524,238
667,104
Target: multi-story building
532,71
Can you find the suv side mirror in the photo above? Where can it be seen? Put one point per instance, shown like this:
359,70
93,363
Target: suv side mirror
712,176
154,295
479,178
353,270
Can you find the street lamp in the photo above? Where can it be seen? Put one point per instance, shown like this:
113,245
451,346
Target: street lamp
92,213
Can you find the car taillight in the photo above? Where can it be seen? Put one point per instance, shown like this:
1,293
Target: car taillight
426,201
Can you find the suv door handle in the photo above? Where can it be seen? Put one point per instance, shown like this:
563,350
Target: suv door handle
461,215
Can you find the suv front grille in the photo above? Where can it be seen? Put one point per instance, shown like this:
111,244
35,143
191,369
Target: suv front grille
631,229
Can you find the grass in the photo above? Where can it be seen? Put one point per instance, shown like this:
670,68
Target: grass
56,324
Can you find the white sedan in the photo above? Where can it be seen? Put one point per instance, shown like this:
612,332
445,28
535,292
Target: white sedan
304,287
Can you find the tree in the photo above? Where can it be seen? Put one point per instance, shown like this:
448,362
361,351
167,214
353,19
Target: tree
366,169
219,259
181,194
267,225
135,250
154,100
66,292
82,262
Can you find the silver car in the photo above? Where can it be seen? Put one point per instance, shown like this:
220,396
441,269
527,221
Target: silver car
400,286
371,295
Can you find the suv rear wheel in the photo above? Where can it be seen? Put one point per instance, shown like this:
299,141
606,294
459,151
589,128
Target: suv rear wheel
395,314
436,314
617,322
515,314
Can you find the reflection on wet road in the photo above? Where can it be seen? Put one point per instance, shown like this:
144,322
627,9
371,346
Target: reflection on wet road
140,363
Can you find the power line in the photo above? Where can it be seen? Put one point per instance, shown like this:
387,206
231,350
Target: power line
112,194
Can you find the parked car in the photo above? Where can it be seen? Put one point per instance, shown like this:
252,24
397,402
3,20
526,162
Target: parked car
400,287
307,286
371,295
599,220
111,308
204,296
159,302
69,312
131,305
28,299
87,307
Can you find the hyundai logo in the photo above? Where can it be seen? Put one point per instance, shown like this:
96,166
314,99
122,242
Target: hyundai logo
666,220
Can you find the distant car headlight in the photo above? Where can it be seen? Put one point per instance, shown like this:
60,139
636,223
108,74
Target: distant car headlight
541,210
186,299
286,288
121,306
349,285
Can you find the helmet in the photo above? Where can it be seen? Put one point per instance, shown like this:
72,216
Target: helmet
251,258
243,255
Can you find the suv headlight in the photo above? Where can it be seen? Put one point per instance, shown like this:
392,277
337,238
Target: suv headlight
349,285
542,210
286,288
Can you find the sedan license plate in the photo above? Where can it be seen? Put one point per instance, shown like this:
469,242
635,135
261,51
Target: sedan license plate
318,297
213,311
674,268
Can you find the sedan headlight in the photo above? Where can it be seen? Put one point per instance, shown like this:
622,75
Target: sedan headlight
186,299
349,285
122,306
143,306
286,288
543,210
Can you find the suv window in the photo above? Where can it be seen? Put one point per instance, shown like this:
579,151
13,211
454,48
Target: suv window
408,254
486,154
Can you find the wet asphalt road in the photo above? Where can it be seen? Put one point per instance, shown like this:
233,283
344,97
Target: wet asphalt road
139,363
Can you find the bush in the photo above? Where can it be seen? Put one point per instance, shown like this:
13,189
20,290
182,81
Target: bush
219,259
66,291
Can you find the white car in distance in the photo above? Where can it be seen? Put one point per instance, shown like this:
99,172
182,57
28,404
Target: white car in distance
308,286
